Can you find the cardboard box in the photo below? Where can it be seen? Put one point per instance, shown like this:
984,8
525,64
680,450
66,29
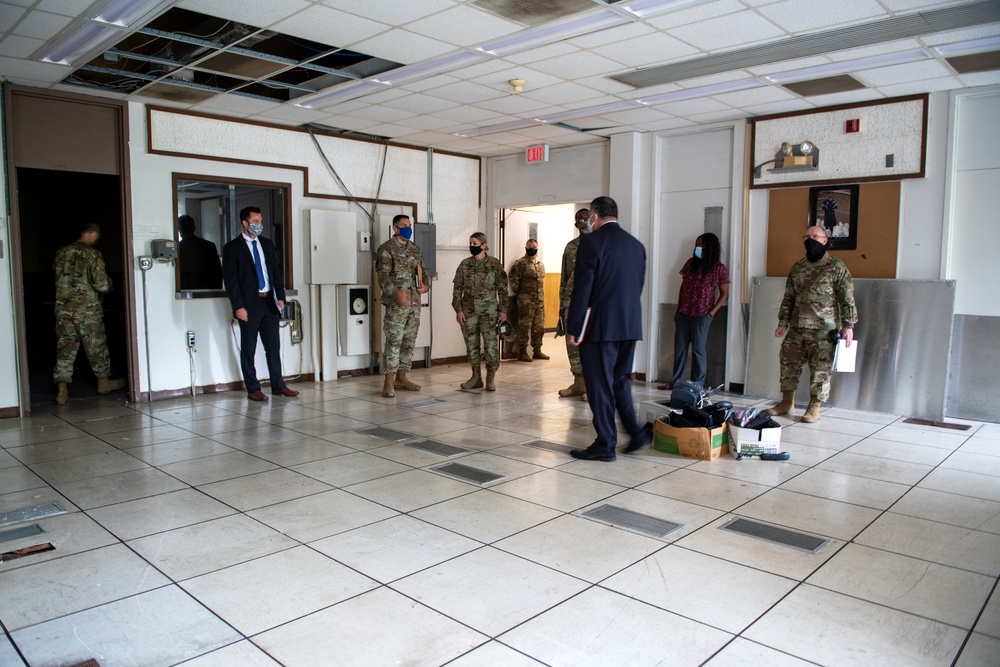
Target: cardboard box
755,441
650,410
698,443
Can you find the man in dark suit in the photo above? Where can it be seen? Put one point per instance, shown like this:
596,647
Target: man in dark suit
257,293
605,320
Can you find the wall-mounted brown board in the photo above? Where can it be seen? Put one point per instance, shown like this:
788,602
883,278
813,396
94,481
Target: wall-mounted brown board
878,231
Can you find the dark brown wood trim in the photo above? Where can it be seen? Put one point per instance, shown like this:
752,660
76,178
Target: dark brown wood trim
924,97
214,388
10,413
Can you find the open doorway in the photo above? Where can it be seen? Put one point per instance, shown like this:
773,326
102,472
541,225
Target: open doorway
51,206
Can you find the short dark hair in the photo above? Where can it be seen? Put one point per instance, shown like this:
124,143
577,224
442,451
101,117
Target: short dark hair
583,214
245,213
397,218
604,207
90,227
531,241
186,225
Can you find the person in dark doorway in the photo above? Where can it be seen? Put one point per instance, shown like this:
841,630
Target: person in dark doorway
256,290
578,388
605,320
527,282
819,298
402,278
81,283
697,304
829,215
479,298
198,258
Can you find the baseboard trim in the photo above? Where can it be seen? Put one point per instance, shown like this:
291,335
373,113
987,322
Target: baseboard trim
164,394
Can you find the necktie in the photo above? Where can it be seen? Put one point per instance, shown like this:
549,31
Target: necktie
256,264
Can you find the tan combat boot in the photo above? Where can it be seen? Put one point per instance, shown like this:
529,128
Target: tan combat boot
62,396
390,380
523,356
786,405
491,380
403,382
584,397
575,389
474,382
812,412
106,386
539,354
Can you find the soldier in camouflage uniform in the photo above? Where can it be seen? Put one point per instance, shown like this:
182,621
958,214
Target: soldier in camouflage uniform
80,283
400,267
480,301
819,298
527,281
565,292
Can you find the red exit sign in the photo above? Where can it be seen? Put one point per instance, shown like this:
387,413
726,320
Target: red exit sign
537,154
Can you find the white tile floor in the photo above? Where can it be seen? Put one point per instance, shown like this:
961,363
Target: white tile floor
215,532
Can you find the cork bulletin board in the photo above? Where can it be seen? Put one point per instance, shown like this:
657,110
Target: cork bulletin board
788,217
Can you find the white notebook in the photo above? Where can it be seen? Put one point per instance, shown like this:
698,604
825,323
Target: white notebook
844,356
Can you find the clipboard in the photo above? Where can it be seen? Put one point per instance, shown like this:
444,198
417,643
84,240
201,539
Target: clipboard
583,329
844,357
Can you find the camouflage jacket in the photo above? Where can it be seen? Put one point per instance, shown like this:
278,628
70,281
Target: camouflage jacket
818,295
396,265
527,277
566,278
80,280
480,285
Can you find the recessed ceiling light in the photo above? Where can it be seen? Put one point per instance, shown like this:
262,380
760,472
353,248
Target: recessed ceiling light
970,47
341,93
553,32
848,66
429,68
702,91
494,129
623,105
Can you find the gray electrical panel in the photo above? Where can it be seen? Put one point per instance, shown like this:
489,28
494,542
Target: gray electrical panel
425,236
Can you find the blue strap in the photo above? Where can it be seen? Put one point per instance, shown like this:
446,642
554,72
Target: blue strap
256,264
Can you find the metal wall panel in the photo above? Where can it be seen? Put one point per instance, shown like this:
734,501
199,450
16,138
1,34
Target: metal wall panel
974,369
904,331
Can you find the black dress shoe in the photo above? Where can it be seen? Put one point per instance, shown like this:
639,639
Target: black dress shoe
641,440
257,396
591,455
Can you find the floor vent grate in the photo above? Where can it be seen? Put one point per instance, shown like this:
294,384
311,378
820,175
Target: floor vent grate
782,536
33,513
19,532
26,551
549,446
468,473
424,404
437,448
386,434
643,523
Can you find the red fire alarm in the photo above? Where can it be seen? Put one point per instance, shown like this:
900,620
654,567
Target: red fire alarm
537,154
853,125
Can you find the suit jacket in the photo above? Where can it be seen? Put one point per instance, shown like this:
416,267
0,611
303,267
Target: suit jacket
608,279
239,275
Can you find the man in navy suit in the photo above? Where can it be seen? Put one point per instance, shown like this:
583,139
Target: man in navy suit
605,320
256,291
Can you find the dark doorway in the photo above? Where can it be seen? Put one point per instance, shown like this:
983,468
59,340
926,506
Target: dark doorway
51,207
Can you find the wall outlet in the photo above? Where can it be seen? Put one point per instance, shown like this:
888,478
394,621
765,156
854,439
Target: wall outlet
190,339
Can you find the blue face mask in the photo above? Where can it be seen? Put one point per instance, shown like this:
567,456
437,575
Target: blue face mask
697,252
406,232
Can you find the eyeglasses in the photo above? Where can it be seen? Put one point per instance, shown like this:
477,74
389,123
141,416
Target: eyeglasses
814,237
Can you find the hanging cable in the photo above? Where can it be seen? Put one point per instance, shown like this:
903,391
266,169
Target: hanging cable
336,176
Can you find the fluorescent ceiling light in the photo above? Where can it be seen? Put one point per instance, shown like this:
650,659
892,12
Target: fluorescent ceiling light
968,48
553,32
429,68
341,93
126,12
494,129
702,91
847,66
644,8
624,105
77,42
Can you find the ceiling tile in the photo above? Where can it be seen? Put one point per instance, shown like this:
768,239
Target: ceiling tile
419,103
402,46
806,15
762,95
604,85
346,122
465,92
980,78
395,12
41,25
485,68
926,86
580,64
788,65
9,15
19,47
389,130
330,26
695,14
237,103
605,38
291,113
261,14
884,76
852,97
874,50
383,114
717,116
909,5
71,8
390,93
542,53
426,123
562,93
727,31
965,35
432,83
691,107
782,107
655,49
670,123
514,104
464,26
21,71
637,116
469,114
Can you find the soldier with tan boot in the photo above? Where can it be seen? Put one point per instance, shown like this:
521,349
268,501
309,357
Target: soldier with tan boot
479,299
565,294
819,298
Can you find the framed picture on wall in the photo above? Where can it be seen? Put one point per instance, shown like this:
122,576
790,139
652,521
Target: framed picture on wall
835,208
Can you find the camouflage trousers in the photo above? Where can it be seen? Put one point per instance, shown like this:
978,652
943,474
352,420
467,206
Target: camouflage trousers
482,326
70,334
399,333
573,352
813,347
530,322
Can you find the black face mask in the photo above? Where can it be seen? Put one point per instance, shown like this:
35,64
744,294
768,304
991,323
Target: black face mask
475,249
814,250
531,252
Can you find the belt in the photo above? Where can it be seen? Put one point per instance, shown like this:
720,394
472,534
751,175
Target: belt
263,294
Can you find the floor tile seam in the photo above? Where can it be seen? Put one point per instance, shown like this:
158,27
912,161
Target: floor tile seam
972,630
81,434
274,504
921,558
184,436
939,522
812,495
86,479
903,443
